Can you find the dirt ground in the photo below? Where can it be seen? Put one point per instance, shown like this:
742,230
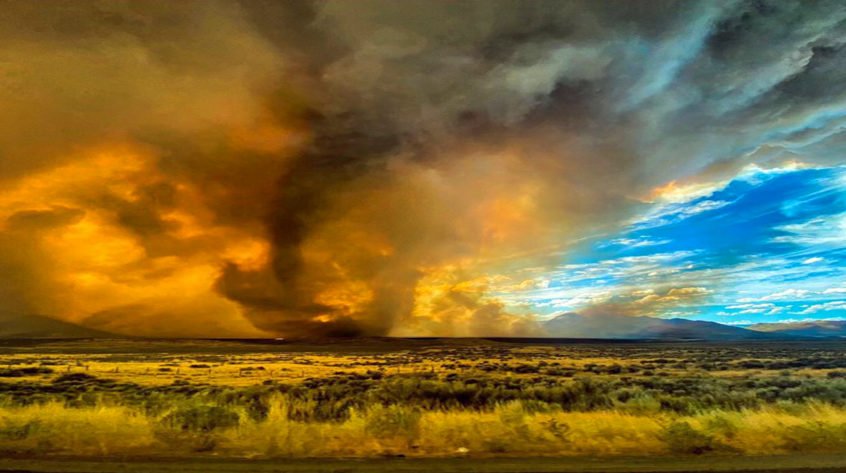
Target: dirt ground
765,464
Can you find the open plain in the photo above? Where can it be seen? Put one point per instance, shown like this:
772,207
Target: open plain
416,399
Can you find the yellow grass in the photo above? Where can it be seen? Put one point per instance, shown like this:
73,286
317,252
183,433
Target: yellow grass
248,370
54,428
507,430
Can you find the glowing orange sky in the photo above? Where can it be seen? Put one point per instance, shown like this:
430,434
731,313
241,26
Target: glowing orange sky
274,168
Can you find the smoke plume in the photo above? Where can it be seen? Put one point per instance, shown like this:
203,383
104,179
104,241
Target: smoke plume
369,168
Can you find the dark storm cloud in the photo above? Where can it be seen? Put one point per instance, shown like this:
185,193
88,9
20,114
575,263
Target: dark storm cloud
34,220
384,148
611,100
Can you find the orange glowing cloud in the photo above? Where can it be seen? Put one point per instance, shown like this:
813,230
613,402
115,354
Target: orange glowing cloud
116,268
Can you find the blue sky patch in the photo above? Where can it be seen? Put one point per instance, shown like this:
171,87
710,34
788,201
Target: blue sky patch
770,246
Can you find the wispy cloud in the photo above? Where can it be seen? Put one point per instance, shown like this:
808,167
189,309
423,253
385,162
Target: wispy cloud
762,245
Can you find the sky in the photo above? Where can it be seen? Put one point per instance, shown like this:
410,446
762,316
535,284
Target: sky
263,168
765,247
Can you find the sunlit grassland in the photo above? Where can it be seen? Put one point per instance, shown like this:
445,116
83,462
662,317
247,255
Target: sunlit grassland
483,399
247,370
507,429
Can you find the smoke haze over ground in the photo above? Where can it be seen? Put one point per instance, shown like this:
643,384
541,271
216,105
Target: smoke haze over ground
377,168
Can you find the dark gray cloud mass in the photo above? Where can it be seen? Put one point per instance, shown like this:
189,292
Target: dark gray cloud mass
388,155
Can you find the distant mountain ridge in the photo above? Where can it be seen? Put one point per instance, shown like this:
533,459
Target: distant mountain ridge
39,326
567,325
812,328
634,327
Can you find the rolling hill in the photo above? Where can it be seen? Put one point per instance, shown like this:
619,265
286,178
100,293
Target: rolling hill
567,325
813,328
632,327
39,326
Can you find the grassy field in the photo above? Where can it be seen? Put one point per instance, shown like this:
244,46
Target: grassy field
420,398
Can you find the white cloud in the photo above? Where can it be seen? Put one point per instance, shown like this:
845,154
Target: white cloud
785,295
817,231
825,307
806,319
676,212
751,306
574,302
638,242
763,308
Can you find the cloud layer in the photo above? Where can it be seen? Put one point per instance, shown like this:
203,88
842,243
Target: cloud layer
767,247
258,168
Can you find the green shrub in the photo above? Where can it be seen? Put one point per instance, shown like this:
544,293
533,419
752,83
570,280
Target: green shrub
202,418
21,372
393,421
681,437
816,436
19,431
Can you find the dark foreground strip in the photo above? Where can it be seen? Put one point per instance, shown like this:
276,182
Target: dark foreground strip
764,464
